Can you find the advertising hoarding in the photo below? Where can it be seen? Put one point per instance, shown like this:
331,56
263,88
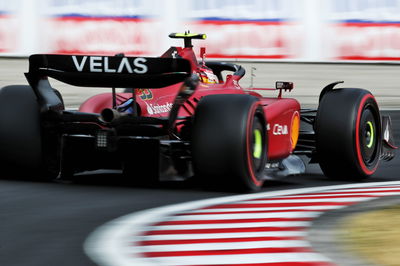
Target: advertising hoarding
296,30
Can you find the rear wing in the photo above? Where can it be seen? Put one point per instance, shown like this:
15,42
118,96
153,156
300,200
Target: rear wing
109,71
101,71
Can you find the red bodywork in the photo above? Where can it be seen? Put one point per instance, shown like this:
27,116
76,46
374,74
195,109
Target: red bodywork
280,112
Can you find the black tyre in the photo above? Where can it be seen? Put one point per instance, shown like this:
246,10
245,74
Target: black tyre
20,132
348,134
230,142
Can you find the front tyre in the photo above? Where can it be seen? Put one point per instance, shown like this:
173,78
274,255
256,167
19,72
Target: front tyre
230,142
348,134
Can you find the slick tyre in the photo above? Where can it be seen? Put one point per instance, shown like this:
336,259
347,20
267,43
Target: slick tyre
20,132
348,134
229,145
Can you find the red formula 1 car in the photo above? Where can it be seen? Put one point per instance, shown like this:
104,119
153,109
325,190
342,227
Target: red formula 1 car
181,118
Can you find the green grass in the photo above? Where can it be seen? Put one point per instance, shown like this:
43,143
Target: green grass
375,235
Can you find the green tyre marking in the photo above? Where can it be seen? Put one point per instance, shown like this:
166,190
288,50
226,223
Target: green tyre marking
371,128
258,144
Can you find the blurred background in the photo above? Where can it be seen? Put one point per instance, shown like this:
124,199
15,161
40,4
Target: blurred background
309,42
295,30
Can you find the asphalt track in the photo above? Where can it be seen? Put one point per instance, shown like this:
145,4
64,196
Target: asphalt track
47,223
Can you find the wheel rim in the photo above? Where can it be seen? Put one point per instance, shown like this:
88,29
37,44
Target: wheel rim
368,136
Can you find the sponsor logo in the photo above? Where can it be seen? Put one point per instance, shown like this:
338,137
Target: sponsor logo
154,109
145,94
280,129
174,54
272,165
101,64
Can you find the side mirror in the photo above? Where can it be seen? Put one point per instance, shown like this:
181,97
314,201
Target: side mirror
284,85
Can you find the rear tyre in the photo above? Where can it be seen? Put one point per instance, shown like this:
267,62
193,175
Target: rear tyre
348,134
230,142
20,132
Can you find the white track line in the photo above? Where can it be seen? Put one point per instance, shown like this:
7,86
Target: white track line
227,246
372,194
367,189
109,244
299,214
234,259
230,225
311,208
224,235
343,199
